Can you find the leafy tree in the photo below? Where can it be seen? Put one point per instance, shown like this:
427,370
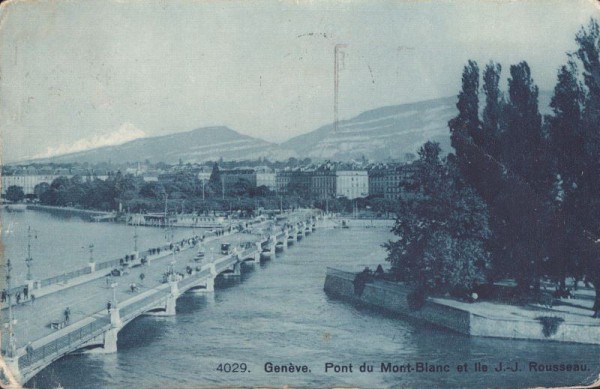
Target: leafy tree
587,212
40,188
442,233
154,190
566,149
523,140
466,124
15,193
493,109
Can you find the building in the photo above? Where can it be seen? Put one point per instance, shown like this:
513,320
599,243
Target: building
268,179
400,181
323,181
296,180
230,177
377,179
204,173
27,182
351,184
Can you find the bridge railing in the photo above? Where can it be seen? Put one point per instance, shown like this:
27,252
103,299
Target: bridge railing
107,264
64,277
142,305
65,343
247,252
183,284
225,262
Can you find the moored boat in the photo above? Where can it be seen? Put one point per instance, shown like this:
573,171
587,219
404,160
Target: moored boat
16,207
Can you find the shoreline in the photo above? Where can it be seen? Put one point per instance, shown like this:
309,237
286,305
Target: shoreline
483,319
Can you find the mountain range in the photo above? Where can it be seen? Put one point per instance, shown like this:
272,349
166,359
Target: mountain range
378,134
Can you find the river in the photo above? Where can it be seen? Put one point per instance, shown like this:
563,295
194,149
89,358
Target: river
279,313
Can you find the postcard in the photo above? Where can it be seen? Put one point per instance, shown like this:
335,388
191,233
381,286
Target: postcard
315,194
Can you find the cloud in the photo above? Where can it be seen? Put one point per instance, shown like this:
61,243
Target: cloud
125,133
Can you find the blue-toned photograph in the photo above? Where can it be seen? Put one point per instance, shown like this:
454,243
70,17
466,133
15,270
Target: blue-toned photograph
285,194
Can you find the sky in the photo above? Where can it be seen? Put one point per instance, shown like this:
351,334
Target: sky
81,74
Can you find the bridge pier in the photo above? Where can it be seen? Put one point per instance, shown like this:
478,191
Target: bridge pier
237,269
272,243
172,299
210,282
257,253
110,337
12,363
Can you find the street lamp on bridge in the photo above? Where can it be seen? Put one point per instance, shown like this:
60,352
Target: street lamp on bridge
113,286
29,259
12,344
91,249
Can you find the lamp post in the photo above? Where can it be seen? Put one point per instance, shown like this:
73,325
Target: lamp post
29,259
113,286
91,248
135,238
223,187
11,321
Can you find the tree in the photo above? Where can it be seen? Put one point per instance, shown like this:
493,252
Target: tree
153,190
40,188
466,124
441,233
566,149
15,193
523,140
587,211
490,125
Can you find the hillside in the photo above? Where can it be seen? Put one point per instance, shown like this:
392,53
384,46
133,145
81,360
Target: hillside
387,132
378,134
210,143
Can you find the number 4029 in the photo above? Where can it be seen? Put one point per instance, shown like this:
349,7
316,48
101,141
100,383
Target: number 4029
233,368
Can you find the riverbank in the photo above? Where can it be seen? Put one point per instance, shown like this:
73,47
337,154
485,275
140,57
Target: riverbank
69,211
485,319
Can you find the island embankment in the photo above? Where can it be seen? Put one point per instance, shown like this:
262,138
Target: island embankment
562,323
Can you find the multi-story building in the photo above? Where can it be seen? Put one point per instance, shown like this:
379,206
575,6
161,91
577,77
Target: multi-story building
267,179
377,179
323,181
400,181
297,180
27,182
351,184
231,177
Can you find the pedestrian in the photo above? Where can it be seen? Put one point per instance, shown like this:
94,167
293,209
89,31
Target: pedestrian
29,350
32,298
25,292
18,297
67,315
108,307
3,296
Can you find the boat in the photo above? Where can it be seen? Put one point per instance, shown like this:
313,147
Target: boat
291,239
266,253
299,235
16,207
279,246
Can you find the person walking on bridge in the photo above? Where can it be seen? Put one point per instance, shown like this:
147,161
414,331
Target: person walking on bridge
67,315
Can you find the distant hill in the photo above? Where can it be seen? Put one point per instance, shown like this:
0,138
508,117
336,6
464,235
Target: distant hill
378,134
387,132
209,143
